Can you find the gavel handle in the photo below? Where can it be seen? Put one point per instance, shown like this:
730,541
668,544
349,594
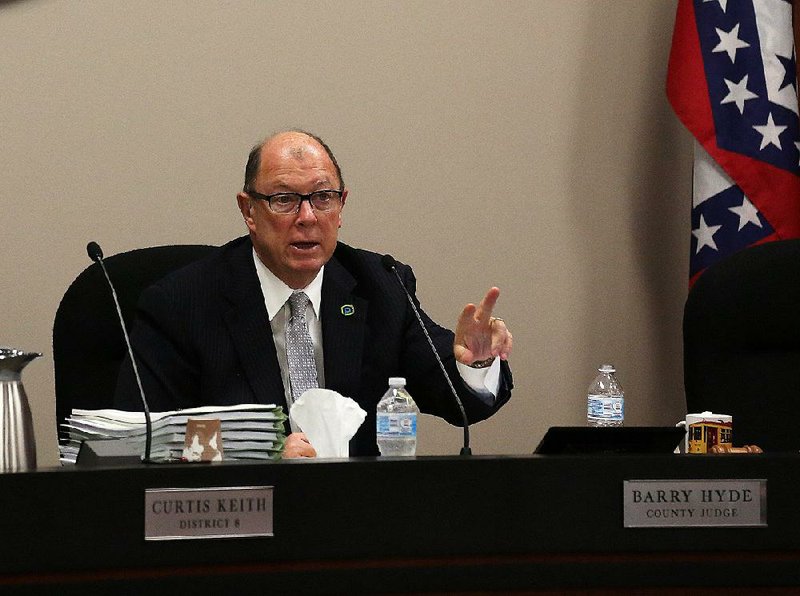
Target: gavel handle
730,449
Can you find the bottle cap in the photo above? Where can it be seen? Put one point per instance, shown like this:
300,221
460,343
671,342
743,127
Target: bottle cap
607,368
397,381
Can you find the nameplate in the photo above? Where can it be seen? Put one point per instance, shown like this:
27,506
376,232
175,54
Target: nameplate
694,503
202,513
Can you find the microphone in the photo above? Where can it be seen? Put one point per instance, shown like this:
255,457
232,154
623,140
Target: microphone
96,254
390,264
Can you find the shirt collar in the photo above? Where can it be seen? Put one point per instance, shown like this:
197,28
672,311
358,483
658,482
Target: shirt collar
276,293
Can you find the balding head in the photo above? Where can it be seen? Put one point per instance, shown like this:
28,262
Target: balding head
291,143
293,245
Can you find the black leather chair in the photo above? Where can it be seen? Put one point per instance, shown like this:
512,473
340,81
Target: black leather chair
88,345
741,344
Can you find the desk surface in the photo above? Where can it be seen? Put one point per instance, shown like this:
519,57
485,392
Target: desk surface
453,524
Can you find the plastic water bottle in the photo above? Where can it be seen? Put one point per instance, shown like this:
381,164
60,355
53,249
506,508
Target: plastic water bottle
397,420
606,401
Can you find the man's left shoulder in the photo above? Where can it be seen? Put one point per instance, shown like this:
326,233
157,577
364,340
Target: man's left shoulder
356,259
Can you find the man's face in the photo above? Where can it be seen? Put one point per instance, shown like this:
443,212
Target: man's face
293,246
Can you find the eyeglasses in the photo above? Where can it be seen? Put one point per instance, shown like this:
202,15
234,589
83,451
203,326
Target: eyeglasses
288,203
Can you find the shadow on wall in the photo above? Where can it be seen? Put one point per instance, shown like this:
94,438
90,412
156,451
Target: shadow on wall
631,197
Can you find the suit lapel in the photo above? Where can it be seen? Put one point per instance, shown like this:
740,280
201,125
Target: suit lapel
249,326
344,324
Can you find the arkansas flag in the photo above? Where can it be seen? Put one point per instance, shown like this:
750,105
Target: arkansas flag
732,81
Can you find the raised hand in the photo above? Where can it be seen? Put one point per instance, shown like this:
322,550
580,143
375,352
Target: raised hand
479,336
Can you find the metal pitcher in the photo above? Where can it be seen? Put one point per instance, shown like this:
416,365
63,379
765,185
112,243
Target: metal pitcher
17,446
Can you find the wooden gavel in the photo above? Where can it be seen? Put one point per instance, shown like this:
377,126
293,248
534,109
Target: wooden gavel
731,449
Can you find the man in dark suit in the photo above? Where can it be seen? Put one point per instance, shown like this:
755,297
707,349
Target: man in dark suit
217,332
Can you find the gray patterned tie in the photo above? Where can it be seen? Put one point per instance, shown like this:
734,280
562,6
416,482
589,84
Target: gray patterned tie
299,349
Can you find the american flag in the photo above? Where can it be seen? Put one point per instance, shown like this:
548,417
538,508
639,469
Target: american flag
732,81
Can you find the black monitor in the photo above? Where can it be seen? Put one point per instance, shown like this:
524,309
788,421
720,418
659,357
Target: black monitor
562,440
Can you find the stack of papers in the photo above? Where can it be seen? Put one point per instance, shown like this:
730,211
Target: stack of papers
249,431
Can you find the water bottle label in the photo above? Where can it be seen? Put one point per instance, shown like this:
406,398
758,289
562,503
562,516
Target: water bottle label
398,425
603,407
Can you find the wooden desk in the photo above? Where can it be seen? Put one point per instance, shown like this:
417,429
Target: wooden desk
446,524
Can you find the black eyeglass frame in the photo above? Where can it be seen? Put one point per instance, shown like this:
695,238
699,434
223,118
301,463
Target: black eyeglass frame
308,197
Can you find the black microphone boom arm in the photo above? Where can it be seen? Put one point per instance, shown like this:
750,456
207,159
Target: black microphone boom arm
390,264
96,254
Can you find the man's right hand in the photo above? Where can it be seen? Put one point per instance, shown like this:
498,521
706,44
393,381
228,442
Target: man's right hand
297,445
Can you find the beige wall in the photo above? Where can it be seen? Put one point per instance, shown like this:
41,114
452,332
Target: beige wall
523,144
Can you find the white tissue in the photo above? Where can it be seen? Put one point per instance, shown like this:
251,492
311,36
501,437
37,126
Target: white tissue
328,419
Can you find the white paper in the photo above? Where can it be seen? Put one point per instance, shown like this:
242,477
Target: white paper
328,419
